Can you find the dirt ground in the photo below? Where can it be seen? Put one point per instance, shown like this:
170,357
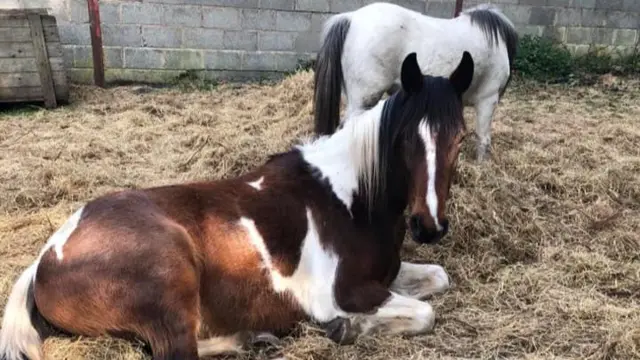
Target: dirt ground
544,251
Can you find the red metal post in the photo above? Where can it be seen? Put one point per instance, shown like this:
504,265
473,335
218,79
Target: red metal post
458,8
96,42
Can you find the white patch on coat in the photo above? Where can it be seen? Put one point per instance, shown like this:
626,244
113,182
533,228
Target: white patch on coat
257,184
312,283
430,153
349,154
60,237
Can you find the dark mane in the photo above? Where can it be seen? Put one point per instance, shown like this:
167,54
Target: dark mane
439,103
494,25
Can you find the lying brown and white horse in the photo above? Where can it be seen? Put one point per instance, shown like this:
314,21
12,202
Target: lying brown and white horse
310,235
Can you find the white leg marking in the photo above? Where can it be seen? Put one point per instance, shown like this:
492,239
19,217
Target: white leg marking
399,315
220,345
312,283
60,237
257,184
430,149
420,280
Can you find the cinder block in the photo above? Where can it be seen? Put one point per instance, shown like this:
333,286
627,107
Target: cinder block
440,10
221,17
569,17
610,4
143,13
80,76
278,4
415,5
583,35
223,60
625,37
260,61
517,14
317,21
533,2
308,42
293,21
183,59
67,55
113,57
338,6
232,3
161,36
594,18
74,34
542,16
623,20
143,58
287,61
240,40
78,11
559,3
274,40
121,35
258,19
186,15
556,33
313,5
602,36
83,57
502,1
149,76
631,5
578,35
109,13
199,38
530,30
585,4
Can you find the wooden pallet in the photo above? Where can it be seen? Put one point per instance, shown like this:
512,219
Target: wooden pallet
31,64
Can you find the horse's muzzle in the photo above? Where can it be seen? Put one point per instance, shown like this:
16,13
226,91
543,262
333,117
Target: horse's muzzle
423,235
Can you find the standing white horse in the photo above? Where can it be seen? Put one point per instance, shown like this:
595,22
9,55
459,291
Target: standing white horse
362,52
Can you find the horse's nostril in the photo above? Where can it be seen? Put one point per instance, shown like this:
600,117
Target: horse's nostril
445,227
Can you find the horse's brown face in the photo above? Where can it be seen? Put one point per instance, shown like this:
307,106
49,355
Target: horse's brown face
433,152
433,167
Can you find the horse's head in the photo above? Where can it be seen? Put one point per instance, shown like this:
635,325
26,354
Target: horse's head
431,142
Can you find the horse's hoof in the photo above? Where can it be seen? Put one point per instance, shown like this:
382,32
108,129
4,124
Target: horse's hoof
251,339
265,338
339,331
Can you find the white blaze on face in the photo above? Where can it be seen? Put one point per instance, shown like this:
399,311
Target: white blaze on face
430,157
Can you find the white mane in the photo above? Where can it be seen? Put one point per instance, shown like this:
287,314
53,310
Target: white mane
349,155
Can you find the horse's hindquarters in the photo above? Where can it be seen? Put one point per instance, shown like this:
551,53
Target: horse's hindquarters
131,283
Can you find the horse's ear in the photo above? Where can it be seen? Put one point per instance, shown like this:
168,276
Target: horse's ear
410,75
463,74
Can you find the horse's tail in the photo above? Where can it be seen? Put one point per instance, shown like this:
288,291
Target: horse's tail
18,336
328,77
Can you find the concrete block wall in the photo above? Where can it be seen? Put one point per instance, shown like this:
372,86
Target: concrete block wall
157,40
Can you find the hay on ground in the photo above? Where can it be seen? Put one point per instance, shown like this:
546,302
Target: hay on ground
544,251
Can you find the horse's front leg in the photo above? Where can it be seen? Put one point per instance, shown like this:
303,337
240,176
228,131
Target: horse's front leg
420,280
395,314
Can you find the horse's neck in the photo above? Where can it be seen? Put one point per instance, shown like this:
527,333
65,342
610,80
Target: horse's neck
342,157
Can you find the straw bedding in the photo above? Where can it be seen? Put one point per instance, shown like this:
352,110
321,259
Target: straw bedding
544,251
